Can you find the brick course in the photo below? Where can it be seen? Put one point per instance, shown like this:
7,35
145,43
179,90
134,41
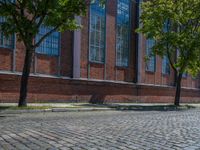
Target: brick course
6,59
43,89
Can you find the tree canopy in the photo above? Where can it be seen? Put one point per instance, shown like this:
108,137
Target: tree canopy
175,27
25,18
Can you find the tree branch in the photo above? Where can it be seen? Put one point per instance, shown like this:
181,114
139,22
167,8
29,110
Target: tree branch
45,36
170,61
44,13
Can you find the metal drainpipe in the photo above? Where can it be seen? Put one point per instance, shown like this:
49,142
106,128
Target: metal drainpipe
105,61
88,65
139,47
88,75
59,56
14,55
35,63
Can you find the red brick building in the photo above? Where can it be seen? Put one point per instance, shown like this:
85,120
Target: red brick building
104,61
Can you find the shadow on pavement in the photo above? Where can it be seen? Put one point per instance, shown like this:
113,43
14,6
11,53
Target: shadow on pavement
139,107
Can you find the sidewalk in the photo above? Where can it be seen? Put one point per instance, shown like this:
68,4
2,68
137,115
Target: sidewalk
11,108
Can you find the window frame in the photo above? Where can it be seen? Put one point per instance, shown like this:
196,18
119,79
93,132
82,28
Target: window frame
148,61
104,36
122,64
167,64
11,38
45,52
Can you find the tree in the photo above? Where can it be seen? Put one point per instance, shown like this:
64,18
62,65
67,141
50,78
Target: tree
25,18
175,27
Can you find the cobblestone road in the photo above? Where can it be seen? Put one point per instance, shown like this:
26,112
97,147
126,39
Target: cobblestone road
108,130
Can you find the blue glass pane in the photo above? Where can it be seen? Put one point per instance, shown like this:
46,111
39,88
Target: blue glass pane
6,42
123,32
150,64
12,1
51,44
2,19
185,75
97,32
165,65
166,26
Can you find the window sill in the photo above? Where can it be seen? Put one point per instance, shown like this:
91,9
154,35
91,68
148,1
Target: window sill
6,48
166,74
122,67
47,55
96,64
150,72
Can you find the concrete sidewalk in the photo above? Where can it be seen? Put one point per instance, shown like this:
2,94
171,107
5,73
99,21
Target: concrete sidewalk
97,105
11,108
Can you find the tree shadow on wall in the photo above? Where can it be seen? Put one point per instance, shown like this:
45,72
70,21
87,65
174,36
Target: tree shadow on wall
97,99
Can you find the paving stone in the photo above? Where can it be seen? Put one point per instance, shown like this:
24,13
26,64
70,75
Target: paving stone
109,130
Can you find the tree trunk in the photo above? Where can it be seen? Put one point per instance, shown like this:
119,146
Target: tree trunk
178,89
24,78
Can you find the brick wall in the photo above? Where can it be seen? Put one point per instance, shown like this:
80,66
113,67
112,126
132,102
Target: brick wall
6,59
66,59
42,64
43,89
84,46
157,78
120,88
109,70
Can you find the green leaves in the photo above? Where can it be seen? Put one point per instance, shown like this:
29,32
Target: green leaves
25,17
181,39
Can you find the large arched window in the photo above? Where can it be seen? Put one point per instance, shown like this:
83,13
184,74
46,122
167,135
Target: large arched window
97,32
123,32
51,45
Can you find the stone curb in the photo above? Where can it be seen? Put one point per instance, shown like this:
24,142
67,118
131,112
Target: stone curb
55,110
123,108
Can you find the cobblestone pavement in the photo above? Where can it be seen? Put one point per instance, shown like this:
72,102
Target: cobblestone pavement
107,130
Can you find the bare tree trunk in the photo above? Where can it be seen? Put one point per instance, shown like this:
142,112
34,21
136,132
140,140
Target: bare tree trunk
178,89
24,78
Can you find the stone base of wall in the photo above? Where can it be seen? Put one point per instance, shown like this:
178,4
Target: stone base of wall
49,89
